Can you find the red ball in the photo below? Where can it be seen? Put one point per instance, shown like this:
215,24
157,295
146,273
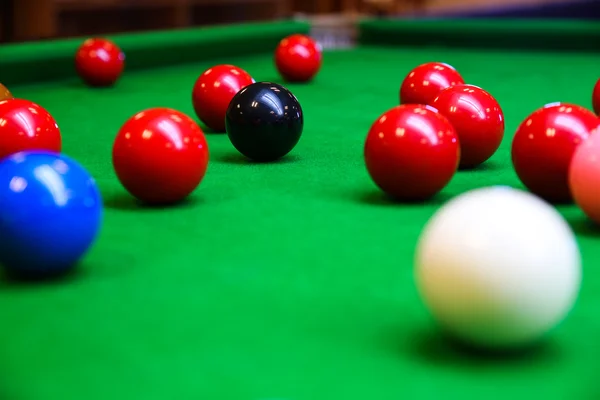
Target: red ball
412,152
477,118
596,98
160,156
99,62
26,126
213,92
543,147
298,58
426,81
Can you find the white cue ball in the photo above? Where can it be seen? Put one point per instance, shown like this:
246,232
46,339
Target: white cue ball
498,268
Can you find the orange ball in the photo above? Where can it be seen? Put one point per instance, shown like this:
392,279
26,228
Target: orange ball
5,94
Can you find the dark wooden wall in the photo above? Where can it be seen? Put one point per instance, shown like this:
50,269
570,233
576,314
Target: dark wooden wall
25,20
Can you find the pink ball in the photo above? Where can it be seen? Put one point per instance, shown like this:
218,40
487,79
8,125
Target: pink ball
584,176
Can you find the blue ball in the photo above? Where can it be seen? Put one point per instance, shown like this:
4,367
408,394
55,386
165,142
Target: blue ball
50,212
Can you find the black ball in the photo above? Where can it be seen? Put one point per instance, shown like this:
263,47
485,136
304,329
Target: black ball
264,121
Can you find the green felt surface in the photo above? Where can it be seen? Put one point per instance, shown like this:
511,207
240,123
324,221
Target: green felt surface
289,281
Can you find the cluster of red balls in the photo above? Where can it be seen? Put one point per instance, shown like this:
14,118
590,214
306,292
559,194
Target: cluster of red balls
443,125
412,151
160,155
167,165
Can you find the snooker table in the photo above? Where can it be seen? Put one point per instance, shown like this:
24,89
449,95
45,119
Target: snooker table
289,280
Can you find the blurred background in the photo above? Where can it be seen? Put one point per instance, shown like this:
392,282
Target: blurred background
26,20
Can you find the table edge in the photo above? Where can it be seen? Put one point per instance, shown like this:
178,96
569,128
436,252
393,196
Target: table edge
42,61
483,33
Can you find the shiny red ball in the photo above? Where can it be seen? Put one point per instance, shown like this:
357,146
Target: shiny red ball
412,152
160,156
298,58
426,81
477,118
214,90
543,147
25,126
99,62
596,98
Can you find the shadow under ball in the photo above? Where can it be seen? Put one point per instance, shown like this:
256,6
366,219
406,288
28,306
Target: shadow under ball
264,121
